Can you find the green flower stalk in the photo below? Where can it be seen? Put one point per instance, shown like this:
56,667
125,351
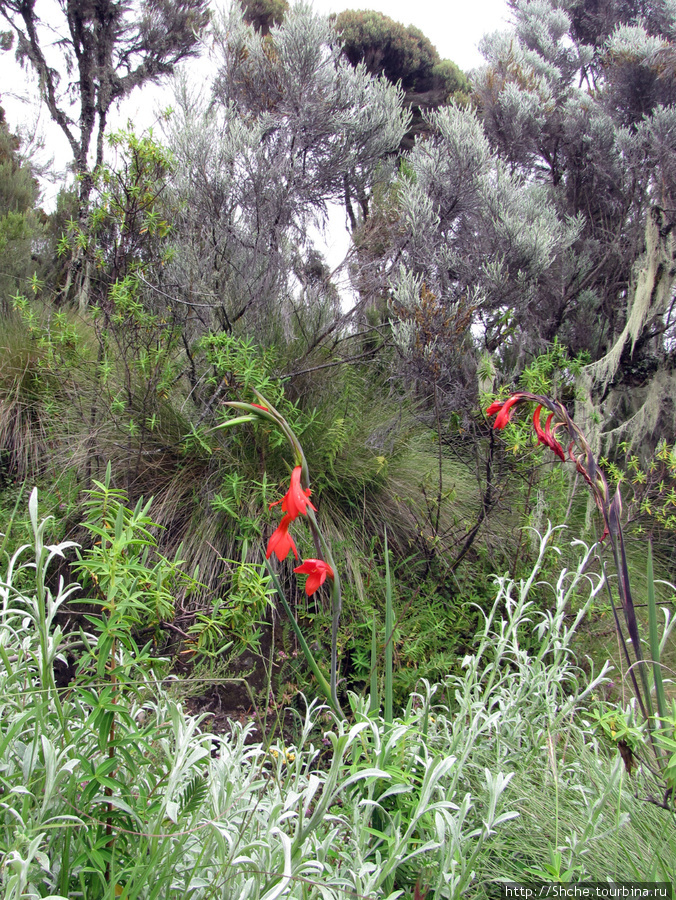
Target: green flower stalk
295,504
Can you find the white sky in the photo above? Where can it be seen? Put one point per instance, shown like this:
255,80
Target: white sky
454,27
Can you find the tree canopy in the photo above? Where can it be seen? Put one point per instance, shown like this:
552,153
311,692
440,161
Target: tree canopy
18,220
291,126
405,56
581,101
105,50
264,14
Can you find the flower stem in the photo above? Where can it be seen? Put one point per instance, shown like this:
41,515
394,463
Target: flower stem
324,685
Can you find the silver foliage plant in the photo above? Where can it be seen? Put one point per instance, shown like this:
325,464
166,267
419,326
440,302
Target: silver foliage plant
287,127
580,103
547,209
477,234
422,799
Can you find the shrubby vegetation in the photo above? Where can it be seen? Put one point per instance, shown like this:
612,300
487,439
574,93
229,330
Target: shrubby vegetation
111,790
174,331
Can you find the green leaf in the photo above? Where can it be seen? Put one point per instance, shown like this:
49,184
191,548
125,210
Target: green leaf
374,704
654,638
389,637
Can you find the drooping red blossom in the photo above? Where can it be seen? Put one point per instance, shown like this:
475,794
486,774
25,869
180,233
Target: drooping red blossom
296,500
503,409
281,541
546,437
551,441
538,427
317,571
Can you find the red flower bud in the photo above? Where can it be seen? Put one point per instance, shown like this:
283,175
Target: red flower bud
546,437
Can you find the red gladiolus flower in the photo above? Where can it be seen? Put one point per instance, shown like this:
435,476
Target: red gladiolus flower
538,427
316,570
281,541
504,411
546,437
295,502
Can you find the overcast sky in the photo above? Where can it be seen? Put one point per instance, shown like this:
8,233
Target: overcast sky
454,27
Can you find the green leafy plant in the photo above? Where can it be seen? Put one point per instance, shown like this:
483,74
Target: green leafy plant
281,543
649,485
234,622
427,799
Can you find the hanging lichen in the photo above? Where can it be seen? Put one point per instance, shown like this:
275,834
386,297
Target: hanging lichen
648,298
